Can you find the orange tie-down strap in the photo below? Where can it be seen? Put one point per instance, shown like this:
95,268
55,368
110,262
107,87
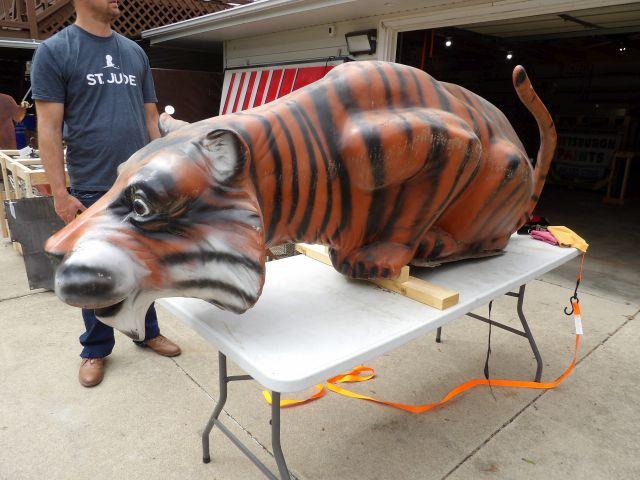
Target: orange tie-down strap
362,374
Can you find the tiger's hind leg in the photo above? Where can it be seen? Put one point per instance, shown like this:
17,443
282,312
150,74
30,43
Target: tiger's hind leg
420,161
438,247
434,246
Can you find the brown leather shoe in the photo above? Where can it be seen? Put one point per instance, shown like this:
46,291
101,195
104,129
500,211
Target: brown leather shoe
163,346
91,371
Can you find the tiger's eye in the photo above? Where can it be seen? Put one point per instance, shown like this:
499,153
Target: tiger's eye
140,207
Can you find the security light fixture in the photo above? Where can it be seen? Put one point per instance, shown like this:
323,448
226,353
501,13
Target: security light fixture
509,55
169,109
448,42
362,42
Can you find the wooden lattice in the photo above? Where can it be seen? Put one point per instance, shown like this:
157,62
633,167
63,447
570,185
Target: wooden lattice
140,15
42,18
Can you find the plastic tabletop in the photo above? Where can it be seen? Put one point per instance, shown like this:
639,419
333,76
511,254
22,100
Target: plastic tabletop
312,323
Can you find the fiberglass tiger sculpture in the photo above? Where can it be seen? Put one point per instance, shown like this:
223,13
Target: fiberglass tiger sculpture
379,161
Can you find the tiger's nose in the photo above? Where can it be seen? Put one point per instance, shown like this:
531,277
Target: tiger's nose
95,275
85,286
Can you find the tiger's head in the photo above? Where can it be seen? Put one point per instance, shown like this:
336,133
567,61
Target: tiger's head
182,219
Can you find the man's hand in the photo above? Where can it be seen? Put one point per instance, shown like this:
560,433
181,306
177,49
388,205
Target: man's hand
67,206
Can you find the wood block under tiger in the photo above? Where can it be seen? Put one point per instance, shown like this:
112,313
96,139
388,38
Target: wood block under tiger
414,288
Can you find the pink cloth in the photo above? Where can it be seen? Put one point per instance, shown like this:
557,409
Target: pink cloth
544,236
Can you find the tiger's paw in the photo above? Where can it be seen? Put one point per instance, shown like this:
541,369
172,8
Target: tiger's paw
378,260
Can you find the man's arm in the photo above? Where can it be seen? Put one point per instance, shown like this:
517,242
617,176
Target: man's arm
50,115
151,114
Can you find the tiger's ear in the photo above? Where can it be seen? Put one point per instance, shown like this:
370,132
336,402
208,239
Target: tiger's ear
227,153
168,124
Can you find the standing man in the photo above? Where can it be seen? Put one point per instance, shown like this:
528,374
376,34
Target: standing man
98,85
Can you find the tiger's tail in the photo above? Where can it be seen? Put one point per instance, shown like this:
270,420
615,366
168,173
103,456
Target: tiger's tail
548,136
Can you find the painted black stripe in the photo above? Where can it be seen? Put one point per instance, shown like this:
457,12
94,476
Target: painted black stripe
473,175
388,96
180,258
402,82
521,77
400,198
313,172
414,77
461,169
506,209
276,206
436,162
509,174
485,119
468,107
248,140
327,167
203,283
443,98
324,113
398,207
375,149
295,186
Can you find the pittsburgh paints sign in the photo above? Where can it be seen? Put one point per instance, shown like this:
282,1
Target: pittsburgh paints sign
585,156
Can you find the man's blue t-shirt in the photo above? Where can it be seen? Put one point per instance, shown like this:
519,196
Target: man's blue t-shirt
104,83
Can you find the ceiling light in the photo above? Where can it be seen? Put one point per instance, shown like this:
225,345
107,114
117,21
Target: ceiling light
509,55
448,42
169,109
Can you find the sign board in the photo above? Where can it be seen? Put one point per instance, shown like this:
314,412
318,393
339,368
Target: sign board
584,157
31,222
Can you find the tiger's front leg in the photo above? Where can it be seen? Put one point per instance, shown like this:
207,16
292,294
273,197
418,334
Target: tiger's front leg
377,260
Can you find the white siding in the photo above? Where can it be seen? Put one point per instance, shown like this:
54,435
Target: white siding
295,45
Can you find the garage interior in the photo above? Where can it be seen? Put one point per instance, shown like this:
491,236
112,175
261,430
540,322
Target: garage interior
585,66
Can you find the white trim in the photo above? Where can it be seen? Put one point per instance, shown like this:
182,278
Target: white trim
25,44
241,15
387,42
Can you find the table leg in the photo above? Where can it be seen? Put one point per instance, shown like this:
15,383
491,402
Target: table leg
214,421
275,436
222,367
439,335
528,334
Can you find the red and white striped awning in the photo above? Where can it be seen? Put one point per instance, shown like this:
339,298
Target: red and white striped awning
250,87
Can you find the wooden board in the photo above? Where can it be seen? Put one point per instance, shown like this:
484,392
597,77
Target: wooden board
414,288
29,171
4,230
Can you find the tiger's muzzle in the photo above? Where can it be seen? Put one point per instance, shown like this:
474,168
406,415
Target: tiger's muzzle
96,275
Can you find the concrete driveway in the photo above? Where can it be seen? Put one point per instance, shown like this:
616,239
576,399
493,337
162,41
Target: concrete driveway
145,420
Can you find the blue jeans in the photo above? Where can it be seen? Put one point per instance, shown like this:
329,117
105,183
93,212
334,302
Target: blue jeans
98,339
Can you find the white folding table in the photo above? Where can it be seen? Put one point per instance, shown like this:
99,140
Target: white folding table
311,323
